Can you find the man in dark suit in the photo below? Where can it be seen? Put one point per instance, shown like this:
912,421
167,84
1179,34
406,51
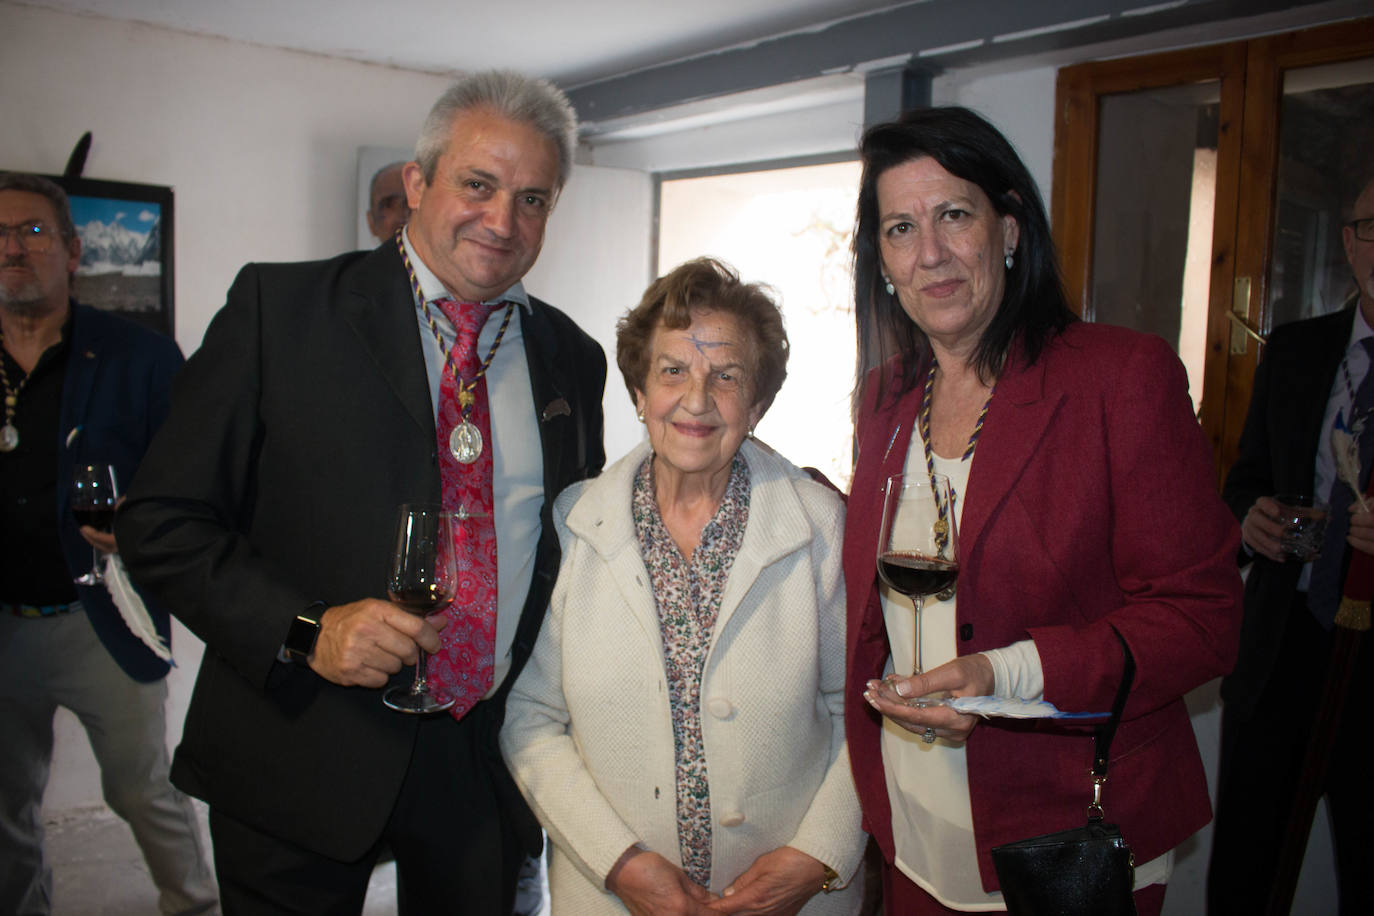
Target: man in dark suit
265,514
81,387
1310,372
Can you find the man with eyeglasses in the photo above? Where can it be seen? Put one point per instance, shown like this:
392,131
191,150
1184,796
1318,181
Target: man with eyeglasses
80,387
1313,375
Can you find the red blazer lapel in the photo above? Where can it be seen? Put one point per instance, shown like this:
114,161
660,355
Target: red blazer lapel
1014,430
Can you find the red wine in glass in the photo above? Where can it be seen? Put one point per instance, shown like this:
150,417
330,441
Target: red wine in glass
101,518
915,574
422,579
421,600
918,543
94,493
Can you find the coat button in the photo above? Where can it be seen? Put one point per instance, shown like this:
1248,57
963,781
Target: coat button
966,632
720,708
733,819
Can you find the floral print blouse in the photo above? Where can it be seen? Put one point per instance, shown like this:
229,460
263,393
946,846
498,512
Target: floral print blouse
687,593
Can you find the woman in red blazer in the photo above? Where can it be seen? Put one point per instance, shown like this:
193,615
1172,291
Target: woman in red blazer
1087,508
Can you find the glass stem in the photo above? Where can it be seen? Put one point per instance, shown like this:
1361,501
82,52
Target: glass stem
95,564
916,603
421,682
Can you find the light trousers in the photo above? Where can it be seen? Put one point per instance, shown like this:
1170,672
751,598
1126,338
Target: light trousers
57,661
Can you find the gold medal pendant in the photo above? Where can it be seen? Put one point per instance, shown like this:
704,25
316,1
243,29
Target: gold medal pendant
465,443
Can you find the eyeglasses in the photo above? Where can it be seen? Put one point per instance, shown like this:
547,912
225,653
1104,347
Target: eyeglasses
30,236
1364,228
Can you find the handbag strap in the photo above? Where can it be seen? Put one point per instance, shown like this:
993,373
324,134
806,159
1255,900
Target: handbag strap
1103,733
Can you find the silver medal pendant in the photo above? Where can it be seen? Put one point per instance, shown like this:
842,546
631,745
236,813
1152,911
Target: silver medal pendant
9,438
465,443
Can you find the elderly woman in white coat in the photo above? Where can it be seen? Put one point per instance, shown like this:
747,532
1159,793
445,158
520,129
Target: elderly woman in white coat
678,729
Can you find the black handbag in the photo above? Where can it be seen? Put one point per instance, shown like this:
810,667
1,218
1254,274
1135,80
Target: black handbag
1087,871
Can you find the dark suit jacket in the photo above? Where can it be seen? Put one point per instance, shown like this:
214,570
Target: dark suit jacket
296,430
1090,506
1278,454
114,397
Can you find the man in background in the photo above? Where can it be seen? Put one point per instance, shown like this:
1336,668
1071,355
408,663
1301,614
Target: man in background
1311,372
325,395
387,208
80,387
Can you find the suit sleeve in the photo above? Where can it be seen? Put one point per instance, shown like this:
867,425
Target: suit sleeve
1171,546
179,531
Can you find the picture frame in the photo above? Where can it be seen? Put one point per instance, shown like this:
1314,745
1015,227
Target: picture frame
126,233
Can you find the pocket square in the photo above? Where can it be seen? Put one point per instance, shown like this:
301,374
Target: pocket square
555,408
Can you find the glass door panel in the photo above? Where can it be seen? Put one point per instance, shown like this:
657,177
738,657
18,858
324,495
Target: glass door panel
1326,144
1152,221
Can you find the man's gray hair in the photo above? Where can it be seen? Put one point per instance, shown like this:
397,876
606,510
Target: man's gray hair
525,99
37,184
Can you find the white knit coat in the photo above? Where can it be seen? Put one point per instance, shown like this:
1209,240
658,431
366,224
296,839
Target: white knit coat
589,733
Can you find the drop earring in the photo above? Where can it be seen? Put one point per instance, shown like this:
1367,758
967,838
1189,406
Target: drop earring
887,285
1009,260
640,416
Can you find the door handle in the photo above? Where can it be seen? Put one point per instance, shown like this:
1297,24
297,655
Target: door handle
1240,311
1243,329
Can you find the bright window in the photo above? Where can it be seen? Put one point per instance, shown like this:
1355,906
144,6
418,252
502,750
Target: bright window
789,228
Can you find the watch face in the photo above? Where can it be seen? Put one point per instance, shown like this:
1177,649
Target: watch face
300,639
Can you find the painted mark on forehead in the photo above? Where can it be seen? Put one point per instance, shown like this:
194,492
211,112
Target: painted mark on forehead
704,345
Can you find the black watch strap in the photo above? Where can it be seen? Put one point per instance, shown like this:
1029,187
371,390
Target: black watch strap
305,629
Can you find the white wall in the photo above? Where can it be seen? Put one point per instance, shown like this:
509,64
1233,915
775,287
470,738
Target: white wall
259,146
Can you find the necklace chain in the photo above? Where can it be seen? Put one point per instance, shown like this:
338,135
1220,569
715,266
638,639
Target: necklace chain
10,437
465,387
942,525
925,421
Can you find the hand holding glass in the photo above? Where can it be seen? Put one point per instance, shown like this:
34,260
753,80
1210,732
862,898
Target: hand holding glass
94,494
422,580
1304,526
918,544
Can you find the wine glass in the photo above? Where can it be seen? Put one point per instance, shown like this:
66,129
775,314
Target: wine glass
94,494
918,544
422,579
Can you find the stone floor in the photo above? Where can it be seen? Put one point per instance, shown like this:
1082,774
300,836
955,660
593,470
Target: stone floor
98,870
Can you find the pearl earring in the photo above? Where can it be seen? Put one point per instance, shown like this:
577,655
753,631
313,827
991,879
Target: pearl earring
1009,260
887,285
640,416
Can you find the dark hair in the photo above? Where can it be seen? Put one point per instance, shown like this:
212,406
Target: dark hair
37,184
705,283
1033,307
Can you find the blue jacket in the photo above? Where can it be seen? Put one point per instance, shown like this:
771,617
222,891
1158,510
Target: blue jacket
115,395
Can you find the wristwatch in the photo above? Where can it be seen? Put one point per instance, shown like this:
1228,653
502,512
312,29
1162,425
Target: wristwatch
305,629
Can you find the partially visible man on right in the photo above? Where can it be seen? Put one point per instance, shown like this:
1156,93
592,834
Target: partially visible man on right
1312,375
387,208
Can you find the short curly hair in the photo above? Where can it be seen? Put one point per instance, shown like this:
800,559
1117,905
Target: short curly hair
710,285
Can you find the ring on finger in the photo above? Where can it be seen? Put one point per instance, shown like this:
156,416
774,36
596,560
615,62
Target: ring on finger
928,736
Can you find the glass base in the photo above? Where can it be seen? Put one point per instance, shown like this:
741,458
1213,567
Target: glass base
91,578
416,702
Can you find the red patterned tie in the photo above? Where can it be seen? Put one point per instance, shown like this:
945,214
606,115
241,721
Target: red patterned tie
462,669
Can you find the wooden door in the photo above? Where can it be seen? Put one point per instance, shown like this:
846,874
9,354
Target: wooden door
1197,195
